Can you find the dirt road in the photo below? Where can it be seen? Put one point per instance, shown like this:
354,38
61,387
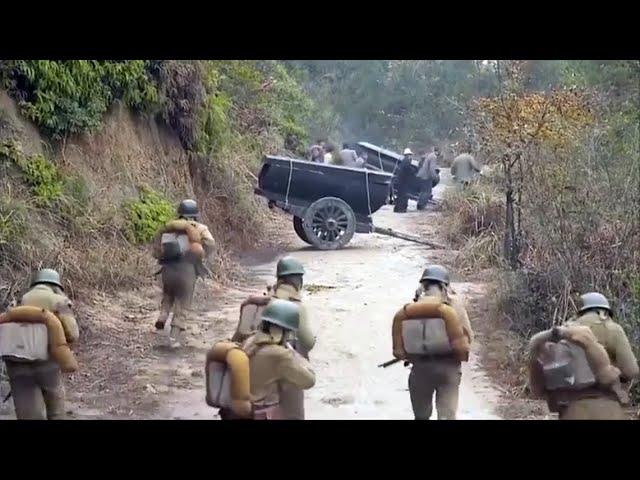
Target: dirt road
352,295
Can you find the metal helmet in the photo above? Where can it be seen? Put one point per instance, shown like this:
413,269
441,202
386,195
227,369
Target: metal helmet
289,266
593,300
407,151
188,209
47,276
283,313
436,273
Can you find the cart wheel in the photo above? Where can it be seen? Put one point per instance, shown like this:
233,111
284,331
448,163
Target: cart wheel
329,223
297,226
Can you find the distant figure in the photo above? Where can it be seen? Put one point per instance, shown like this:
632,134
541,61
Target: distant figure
349,157
316,153
180,269
464,169
362,159
328,154
427,175
404,174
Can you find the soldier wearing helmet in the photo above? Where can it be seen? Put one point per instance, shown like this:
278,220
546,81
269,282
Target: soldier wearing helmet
428,175
179,277
439,375
598,403
274,364
289,273
37,387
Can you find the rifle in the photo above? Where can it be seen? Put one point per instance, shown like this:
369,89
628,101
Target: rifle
391,362
7,397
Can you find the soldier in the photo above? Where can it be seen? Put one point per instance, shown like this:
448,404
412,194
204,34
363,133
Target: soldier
440,375
598,403
179,276
427,174
289,272
403,178
464,168
37,387
274,364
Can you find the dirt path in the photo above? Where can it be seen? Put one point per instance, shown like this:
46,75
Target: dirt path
353,294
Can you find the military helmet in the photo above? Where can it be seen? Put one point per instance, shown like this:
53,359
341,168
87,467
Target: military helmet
407,151
47,276
593,300
283,313
436,273
289,266
188,208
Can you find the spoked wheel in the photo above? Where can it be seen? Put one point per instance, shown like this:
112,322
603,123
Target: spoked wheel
297,227
329,223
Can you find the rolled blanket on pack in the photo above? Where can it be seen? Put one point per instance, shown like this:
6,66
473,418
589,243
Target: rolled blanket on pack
536,378
58,347
183,226
237,361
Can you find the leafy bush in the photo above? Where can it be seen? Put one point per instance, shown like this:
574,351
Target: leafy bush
40,174
70,97
146,215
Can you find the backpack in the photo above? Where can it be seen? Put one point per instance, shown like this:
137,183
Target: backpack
173,246
429,327
227,377
565,366
30,334
179,239
250,313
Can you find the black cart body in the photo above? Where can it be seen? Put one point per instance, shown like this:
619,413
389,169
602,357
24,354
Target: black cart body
319,195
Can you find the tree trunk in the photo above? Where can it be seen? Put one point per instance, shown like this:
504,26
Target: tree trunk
510,247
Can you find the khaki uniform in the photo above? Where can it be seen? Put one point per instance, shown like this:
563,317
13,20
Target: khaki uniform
292,397
439,375
37,388
464,168
596,404
427,175
179,280
274,367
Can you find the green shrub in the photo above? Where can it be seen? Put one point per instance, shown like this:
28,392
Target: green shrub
146,215
44,178
69,97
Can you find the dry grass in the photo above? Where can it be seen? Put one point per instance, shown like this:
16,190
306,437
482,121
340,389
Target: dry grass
472,212
88,246
475,218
